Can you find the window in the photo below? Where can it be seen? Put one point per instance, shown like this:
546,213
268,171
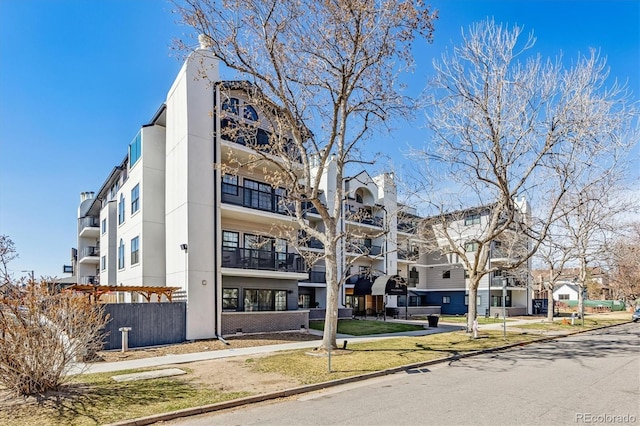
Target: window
471,247
229,184
121,210
250,113
103,263
229,299
257,195
446,275
135,199
446,300
104,225
230,105
135,250
265,300
472,219
563,297
263,137
121,255
135,150
466,273
230,239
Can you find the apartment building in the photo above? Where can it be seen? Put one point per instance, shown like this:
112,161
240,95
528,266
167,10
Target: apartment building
170,214
444,281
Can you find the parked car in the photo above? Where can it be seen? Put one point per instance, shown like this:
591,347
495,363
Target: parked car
636,315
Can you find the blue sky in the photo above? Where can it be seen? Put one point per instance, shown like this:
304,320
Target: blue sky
78,78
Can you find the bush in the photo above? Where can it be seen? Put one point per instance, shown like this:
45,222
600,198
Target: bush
43,332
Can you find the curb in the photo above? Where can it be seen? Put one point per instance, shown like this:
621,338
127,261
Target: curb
141,421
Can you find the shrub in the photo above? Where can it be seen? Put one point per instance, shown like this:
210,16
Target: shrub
43,333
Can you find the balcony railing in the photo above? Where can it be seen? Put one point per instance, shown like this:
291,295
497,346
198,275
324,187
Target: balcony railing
90,279
404,254
265,260
88,222
253,198
364,216
511,282
311,243
316,277
407,227
364,248
90,251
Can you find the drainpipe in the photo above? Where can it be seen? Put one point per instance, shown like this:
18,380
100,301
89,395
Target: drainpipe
216,313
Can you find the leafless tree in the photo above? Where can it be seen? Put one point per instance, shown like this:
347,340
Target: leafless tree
507,125
625,279
326,71
555,254
7,254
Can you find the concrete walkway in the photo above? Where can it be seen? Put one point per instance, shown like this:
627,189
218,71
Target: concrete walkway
107,367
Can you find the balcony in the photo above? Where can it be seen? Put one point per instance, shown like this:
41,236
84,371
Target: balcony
311,243
408,255
497,282
363,248
316,277
89,227
253,199
90,255
407,227
90,280
363,216
264,260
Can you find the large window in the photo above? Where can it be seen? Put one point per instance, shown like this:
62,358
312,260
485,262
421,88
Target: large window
135,150
257,195
472,219
135,199
135,250
265,300
121,255
121,209
229,299
563,297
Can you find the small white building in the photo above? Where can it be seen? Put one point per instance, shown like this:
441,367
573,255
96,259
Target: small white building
565,291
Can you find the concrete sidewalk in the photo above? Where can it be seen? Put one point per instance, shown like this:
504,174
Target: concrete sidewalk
106,367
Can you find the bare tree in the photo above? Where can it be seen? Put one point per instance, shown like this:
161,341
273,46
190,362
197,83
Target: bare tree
507,125
7,254
326,72
625,279
555,254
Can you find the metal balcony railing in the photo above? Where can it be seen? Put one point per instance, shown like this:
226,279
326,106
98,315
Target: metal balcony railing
364,216
88,222
407,227
511,282
364,248
311,243
316,277
253,198
265,260
90,251
90,280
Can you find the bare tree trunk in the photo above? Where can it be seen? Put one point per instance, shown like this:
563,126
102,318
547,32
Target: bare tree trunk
550,302
472,312
333,299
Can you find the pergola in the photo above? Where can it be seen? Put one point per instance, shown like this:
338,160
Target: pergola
96,291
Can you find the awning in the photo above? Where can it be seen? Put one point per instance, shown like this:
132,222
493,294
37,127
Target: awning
389,284
362,287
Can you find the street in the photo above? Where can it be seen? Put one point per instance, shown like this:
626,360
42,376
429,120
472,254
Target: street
590,378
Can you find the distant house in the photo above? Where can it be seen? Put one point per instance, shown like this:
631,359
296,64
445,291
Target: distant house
565,292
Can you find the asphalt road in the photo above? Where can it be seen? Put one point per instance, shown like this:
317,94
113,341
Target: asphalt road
590,378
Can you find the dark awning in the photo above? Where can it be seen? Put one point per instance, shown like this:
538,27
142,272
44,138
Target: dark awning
362,287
